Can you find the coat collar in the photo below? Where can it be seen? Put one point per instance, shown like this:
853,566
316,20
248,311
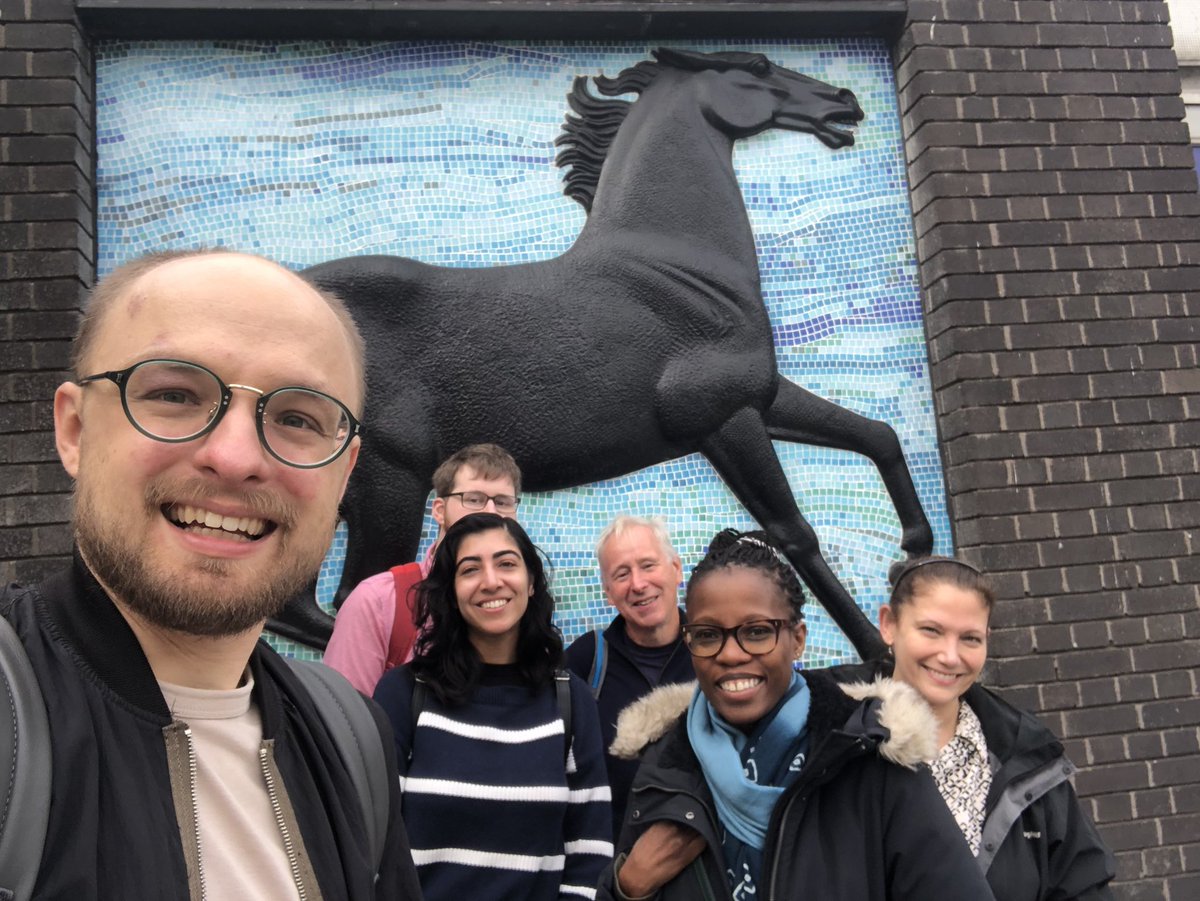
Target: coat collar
615,634
889,713
79,613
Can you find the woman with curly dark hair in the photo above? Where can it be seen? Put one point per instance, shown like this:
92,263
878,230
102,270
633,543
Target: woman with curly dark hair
502,772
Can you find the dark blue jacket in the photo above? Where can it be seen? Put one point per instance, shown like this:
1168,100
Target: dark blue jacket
623,684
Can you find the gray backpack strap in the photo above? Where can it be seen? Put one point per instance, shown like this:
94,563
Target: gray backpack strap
358,741
25,776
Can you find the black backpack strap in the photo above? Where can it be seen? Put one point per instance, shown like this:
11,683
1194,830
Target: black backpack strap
562,694
599,664
25,774
417,704
359,744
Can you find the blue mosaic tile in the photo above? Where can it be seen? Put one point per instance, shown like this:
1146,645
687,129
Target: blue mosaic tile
444,152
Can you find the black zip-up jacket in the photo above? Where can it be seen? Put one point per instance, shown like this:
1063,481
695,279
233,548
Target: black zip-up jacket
120,824
623,684
857,825
1038,844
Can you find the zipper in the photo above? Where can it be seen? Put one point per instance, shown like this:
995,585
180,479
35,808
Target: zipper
798,793
192,766
289,846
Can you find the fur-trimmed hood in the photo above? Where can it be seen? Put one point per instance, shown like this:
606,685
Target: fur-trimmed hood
907,727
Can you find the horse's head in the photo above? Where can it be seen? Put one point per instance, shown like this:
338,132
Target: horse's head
745,93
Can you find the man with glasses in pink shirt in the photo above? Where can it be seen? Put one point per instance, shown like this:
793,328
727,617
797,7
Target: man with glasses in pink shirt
374,631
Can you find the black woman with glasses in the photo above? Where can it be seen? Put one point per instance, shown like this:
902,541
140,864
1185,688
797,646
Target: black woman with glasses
764,782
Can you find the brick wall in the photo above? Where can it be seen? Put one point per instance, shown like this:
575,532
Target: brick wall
46,262
1058,229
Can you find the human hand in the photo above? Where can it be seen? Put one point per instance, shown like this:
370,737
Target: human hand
658,856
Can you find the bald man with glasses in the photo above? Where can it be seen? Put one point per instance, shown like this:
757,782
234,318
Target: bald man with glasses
210,430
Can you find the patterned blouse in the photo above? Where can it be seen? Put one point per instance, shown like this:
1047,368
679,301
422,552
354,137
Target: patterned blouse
963,776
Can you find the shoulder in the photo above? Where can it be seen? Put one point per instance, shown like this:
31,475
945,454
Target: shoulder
1009,730
859,672
579,653
582,717
394,690
15,598
579,688
910,728
650,718
582,701
376,587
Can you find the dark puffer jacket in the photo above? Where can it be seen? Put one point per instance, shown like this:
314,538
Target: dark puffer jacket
857,825
118,822
1038,844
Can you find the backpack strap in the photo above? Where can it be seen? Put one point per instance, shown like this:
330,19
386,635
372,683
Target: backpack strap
404,633
359,744
562,694
416,705
599,664
25,769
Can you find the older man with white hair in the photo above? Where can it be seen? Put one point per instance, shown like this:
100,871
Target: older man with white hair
642,647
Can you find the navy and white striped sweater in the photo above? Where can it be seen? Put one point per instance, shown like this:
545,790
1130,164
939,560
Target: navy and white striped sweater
490,808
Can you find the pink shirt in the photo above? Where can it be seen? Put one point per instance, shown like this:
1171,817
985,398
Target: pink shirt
362,630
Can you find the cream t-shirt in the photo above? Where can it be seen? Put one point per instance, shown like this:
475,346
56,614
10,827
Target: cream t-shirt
241,849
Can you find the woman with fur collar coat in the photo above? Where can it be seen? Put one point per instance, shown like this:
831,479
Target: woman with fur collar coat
829,802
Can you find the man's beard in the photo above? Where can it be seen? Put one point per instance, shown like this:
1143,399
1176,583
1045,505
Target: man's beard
195,600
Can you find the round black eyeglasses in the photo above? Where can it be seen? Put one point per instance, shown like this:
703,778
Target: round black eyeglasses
176,401
755,638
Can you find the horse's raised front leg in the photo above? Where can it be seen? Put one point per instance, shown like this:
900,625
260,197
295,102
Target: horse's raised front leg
741,452
797,415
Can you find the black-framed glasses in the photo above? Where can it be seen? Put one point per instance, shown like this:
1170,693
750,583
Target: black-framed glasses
176,401
757,637
477,500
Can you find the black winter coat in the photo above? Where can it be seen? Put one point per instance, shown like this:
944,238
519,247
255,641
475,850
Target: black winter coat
113,831
857,825
1038,844
623,684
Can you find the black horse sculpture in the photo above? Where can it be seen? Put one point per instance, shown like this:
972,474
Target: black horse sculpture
647,340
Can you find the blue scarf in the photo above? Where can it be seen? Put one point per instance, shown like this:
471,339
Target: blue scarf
748,772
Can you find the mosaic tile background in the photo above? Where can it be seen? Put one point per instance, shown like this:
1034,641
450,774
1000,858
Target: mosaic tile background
443,152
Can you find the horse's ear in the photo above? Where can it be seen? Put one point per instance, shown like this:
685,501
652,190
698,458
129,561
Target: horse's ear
689,60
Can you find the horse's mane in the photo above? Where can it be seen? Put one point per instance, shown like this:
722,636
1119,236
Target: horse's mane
587,137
